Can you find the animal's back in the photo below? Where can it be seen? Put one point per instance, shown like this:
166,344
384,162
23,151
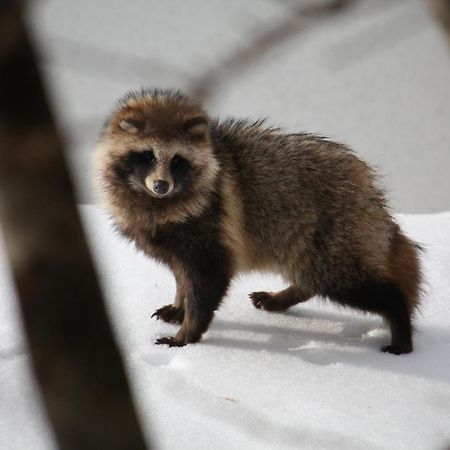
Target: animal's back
307,202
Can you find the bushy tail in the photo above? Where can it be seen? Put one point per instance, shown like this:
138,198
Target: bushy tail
405,269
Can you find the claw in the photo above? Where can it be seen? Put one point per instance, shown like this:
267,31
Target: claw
169,314
170,341
397,349
164,340
259,298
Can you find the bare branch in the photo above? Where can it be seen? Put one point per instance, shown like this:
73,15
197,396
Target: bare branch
298,20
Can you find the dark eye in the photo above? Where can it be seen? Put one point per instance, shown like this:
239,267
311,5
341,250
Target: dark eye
176,160
148,156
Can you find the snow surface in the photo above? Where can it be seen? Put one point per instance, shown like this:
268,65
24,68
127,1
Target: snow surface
311,378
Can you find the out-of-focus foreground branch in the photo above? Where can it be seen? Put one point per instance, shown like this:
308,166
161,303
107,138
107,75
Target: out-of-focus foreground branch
74,355
441,10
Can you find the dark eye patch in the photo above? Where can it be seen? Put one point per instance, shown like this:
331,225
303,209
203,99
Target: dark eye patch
176,160
148,156
135,163
139,158
180,168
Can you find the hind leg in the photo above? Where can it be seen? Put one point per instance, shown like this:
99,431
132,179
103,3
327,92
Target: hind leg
399,320
386,299
278,301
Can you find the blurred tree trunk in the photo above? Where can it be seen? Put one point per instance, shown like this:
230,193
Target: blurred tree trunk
74,355
441,10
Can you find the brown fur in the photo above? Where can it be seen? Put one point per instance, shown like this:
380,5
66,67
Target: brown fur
405,269
248,197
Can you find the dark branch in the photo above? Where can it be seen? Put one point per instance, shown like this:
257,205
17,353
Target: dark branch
298,19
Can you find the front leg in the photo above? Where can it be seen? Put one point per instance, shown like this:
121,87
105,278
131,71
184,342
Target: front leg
206,284
174,313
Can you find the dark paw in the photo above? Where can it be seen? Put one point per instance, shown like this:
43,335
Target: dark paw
169,314
261,300
170,341
397,349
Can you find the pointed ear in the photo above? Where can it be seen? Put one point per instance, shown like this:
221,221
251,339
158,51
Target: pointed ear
196,126
129,125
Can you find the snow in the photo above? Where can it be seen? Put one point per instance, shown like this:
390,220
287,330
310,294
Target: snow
313,377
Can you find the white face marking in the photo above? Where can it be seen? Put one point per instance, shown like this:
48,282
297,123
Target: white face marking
160,182
149,183
152,187
157,152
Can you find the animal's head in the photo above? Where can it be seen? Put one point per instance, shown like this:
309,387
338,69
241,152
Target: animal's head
156,146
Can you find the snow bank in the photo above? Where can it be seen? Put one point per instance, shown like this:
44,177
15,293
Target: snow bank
313,377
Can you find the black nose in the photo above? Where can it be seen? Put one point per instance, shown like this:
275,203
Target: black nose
161,187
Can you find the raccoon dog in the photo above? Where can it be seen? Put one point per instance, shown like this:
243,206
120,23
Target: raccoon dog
214,198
